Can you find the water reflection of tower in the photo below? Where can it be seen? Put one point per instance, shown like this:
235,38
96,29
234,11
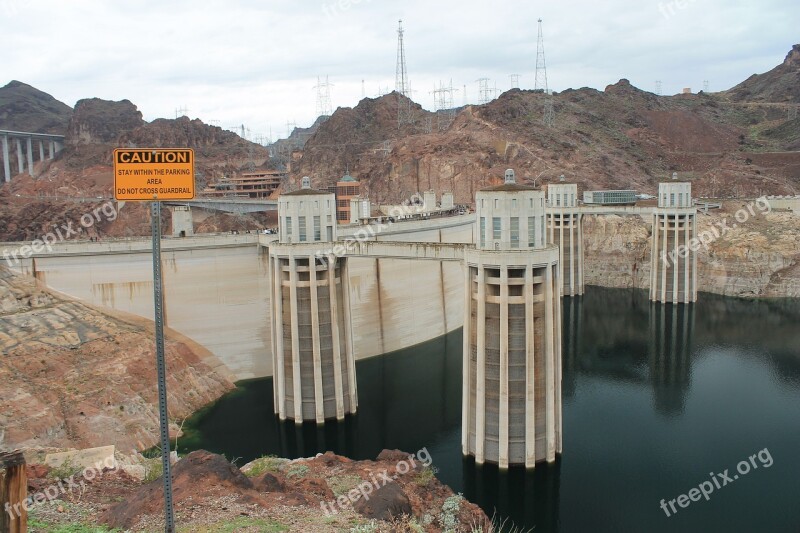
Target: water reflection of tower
527,497
671,329
572,342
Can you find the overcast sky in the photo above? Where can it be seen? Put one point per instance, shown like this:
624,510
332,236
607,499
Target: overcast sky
256,62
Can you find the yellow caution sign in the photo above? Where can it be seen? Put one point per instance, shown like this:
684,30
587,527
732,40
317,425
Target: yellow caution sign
148,174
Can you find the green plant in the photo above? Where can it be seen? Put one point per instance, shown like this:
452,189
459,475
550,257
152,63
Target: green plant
343,484
449,515
424,477
297,471
65,470
153,468
369,527
267,463
36,525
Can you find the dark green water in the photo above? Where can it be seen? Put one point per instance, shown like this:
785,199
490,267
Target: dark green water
656,400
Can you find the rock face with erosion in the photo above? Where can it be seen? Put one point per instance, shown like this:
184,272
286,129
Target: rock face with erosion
73,376
759,257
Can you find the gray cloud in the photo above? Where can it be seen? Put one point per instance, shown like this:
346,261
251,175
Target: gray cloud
255,63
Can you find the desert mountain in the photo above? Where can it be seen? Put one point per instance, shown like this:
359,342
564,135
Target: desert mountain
25,108
779,85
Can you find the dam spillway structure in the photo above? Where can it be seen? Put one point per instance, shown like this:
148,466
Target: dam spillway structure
511,410
673,272
565,229
312,342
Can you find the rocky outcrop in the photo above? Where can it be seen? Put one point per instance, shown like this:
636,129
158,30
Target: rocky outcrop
97,121
72,376
781,84
302,496
759,257
25,108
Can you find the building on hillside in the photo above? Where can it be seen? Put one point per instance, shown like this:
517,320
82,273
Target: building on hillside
346,188
258,184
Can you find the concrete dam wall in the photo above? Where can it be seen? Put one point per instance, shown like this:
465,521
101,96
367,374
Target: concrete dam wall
216,289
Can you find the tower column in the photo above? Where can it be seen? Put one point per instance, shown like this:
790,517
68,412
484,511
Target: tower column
51,148
297,389
466,396
336,340
504,385
480,383
41,150
279,371
315,348
549,367
530,375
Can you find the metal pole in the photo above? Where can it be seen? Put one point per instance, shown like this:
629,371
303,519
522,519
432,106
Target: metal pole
158,296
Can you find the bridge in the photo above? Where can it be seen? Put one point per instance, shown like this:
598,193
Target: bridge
24,141
234,205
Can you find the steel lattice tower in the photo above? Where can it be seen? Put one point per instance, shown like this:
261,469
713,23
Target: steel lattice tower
401,81
323,97
541,67
541,80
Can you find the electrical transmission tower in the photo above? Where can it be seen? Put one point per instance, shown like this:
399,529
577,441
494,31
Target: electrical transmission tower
323,97
485,93
540,83
181,112
514,81
658,87
401,81
705,86
443,105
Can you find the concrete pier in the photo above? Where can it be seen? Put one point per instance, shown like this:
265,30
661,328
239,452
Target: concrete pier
30,156
565,229
511,413
6,162
55,143
20,160
182,222
673,273
314,366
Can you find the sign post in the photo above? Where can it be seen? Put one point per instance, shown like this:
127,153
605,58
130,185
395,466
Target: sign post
157,174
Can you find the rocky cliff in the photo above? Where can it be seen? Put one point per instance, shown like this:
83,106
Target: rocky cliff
72,376
759,257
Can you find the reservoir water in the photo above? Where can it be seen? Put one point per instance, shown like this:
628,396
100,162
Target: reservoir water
658,401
